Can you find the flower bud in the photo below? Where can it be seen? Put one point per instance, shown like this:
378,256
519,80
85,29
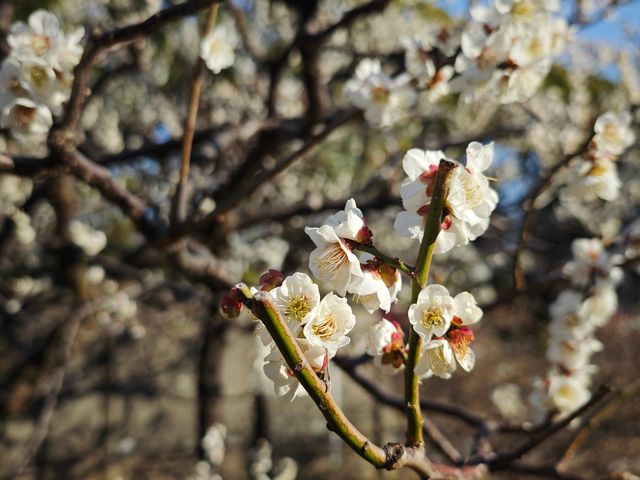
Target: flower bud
231,305
271,279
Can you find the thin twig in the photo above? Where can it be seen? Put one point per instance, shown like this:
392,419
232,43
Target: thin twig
181,196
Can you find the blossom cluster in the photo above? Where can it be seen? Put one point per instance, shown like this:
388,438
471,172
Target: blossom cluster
320,328
469,200
507,49
384,99
595,174
442,322
504,52
575,315
36,78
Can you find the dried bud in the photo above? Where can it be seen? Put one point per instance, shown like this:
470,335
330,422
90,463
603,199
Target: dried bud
271,280
231,305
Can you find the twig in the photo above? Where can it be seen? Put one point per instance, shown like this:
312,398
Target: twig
499,461
234,198
181,196
595,417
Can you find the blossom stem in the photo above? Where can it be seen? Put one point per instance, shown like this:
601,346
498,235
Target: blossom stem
431,229
388,260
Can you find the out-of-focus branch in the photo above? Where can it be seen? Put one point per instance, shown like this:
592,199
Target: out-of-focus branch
529,208
231,199
41,429
500,460
181,196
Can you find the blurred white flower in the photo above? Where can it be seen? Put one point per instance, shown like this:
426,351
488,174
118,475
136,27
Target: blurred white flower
591,263
385,100
568,393
218,46
613,133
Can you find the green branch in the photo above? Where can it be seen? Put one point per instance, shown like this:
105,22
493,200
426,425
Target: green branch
431,229
262,307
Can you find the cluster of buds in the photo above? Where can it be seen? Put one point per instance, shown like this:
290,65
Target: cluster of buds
35,80
575,315
595,174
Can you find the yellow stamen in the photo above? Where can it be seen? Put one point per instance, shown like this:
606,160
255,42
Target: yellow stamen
297,308
326,328
433,317
332,260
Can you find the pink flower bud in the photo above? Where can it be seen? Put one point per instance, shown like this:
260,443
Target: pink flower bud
271,279
231,305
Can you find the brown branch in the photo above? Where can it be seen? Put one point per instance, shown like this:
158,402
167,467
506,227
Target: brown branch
232,199
181,196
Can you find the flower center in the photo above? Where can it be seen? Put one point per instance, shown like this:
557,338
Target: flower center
326,328
380,94
38,76
436,357
297,308
433,317
23,115
332,260
40,44
472,191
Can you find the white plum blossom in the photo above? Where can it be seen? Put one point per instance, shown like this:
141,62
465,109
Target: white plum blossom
330,325
433,312
285,383
469,202
613,133
568,392
386,345
507,49
592,180
600,306
35,79
25,117
297,300
379,286
571,353
437,358
385,100
595,174
591,262
217,48
333,259
380,336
